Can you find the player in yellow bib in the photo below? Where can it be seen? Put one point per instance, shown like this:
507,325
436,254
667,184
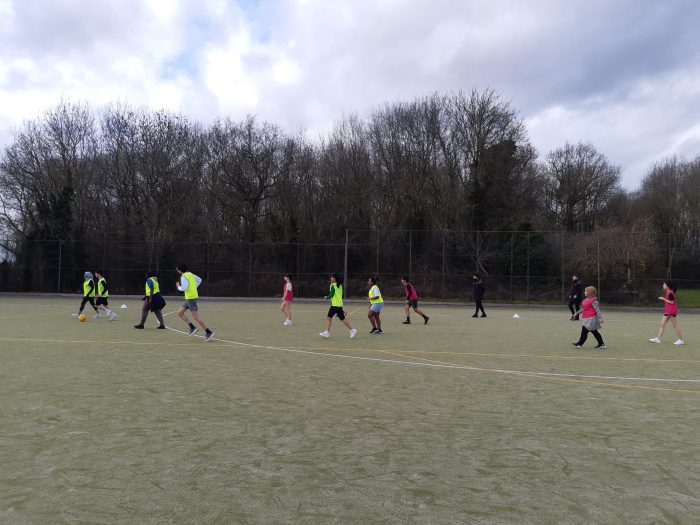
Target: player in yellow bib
376,303
335,294
88,294
189,283
102,301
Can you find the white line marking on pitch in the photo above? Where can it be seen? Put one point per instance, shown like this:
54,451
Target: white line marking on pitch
435,365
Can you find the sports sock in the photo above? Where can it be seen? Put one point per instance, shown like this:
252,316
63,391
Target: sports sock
192,326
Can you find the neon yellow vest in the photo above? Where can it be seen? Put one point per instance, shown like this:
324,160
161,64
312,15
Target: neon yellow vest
86,288
337,298
372,299
156,287
191,292
101,287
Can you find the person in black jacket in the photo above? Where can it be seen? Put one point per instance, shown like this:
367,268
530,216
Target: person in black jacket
575,297
479,290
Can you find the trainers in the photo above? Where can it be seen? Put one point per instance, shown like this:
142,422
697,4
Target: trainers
679,342
325,333
97,316
406,322
193,331
426,319
378,331
353,333
483,315
475,315
208,336
288,322
74,316
161,327
601,347
139,326
576,345
655,340
372,330
112,316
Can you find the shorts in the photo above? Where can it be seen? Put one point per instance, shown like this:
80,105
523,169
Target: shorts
336,310
412,303
190,304
670,315
101,301
376,307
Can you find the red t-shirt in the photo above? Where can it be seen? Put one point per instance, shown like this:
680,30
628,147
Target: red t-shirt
671,308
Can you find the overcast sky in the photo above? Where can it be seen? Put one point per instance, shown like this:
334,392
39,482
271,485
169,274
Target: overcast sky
623,75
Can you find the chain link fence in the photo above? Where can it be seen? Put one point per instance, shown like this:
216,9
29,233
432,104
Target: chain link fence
517,266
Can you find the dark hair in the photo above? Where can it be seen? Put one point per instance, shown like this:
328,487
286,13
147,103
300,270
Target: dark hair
152,274
404,278
338,278
671,285
97,271
288,276
373,279
183,267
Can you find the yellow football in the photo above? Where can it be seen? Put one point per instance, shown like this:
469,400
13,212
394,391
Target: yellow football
82,318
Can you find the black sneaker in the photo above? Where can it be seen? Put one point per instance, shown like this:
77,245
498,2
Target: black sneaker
483,315
193,330
208,336
379,331
475,315
139,326
601,347
406,322
161,327
372,330
426,319
576,345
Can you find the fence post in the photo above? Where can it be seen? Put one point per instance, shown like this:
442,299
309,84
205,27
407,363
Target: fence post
345,263
443,265
60,264
298,281
250,268
512,241
410,255
598,261
527,279
563,276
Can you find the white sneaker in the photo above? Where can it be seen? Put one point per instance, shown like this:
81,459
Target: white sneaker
353,333
287,323
325,334
97,316
112,316
679,342
74,315
655,340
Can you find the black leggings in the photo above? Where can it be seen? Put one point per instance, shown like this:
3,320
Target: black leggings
574,306
584,336
86,300
479,306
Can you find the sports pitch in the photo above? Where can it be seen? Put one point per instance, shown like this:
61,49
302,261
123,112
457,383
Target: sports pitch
495,420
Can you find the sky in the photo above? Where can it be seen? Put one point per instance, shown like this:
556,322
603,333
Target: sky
623,75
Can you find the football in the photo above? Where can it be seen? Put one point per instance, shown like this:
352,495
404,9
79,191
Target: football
82,318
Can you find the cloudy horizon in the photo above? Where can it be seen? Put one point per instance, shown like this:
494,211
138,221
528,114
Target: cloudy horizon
624,78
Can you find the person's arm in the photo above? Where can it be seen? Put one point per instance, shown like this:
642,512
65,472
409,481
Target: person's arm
409,291
184,283
91,285
105,288
376,292
149,285
197,280
598,313
331,292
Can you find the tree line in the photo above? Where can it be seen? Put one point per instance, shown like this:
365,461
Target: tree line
457,161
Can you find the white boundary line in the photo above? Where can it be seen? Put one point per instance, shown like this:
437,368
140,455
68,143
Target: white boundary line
436,365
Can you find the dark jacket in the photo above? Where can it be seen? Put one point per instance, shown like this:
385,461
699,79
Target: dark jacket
577,290
479,289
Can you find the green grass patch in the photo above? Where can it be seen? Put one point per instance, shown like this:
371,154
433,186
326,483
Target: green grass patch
495,420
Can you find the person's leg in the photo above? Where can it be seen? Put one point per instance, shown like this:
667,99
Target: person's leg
378,321
476,312
200,321
584,336
82,305
182,315
578,307
677,328
572,302
662,326
283,308
347,324
92,303
598,337
289,311
329,322
370,316
159,316
407,309
481,306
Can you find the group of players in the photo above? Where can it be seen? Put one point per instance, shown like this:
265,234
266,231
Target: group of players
582,303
